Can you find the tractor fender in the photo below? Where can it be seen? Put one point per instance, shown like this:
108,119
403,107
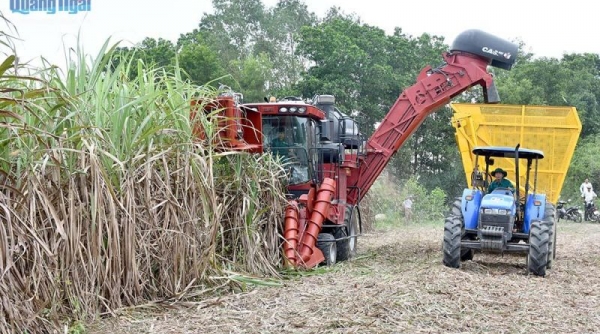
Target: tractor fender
534,210
470,203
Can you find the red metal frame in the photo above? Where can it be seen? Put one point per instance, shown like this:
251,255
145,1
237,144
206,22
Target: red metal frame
432,90
239,127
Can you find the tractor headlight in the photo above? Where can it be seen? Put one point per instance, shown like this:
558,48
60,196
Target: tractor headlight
502,212
284,109
293,109
302,110
487,211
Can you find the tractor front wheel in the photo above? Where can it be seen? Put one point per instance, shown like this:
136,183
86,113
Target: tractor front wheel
451,246
539,242
456,211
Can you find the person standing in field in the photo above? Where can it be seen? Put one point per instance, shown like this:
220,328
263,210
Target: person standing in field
407,209
586,184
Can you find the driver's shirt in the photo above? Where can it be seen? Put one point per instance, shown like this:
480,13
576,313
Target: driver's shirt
280,147
503,183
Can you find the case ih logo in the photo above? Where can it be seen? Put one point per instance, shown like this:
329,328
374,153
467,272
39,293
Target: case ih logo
50,6
496,52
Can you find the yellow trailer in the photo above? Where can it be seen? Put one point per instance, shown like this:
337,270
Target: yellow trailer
552,130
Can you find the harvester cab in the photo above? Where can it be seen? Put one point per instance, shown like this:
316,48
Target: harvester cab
502,219
311,136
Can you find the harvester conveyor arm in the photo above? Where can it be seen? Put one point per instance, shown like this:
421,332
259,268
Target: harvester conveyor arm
434,88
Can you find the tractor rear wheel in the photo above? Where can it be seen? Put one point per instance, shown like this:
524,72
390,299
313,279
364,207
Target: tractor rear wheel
326,243
549,215
346,248
451,245
539,242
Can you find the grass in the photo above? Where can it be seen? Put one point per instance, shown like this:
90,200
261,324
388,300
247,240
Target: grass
108,201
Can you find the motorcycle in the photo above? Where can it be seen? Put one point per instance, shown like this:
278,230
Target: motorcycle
591,212
571,213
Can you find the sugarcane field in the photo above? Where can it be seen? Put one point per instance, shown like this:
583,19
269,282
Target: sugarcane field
303,166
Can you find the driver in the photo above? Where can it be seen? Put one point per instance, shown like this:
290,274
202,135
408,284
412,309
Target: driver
500,181
280,146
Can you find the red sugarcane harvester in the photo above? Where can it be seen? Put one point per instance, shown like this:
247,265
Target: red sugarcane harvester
330,166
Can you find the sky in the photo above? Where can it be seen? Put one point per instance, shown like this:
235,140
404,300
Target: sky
547,29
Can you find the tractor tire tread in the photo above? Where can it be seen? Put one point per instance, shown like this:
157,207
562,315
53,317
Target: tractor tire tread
451,245
539,241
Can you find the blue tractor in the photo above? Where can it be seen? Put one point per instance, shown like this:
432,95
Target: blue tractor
504,220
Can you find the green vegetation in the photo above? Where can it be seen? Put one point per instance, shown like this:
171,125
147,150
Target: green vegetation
428,206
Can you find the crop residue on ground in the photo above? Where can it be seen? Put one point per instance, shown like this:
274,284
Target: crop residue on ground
398,284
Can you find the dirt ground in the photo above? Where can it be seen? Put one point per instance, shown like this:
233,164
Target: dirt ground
398,284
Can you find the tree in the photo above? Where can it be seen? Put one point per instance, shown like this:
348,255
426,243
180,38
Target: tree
153,52
573,80
244,33
585,164
282,26
201,63
252,73
351,62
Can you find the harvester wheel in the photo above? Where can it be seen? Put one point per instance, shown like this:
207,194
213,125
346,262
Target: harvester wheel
451,246
326,243
549,217
539,242
346,249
